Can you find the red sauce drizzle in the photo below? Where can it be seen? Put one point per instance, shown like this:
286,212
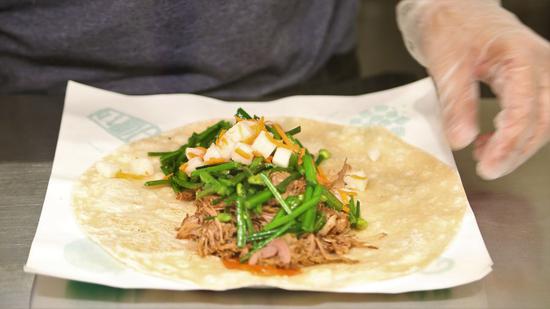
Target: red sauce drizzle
260,269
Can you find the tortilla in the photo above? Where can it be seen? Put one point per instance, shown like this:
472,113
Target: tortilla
412,198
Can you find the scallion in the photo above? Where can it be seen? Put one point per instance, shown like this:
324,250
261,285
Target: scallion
157,182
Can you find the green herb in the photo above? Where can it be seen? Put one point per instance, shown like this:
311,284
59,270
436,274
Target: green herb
256,180
216,168
258,199
208,136
240,190
308,222
294,131
322,156
293,161
177,188
223,217
320,221
274,132
241,113
310,171
256,165
308,203
157,182
170,161
181,180
211,186
158,154
260,235
295,141
238,178
354,215
275,193
331,200
264,196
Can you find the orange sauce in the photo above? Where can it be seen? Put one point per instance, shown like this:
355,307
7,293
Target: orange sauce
321,177
260,270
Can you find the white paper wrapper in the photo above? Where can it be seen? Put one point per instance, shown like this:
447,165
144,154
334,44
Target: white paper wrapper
95,122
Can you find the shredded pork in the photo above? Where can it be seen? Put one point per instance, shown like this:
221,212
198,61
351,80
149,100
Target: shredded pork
211,237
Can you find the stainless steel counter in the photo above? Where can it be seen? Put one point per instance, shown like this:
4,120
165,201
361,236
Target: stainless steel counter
513,214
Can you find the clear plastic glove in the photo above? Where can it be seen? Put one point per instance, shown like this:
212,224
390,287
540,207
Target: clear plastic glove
462,42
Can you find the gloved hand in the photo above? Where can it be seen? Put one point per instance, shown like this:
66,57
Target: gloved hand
462,42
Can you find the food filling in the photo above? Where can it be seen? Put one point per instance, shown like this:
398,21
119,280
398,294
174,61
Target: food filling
262,199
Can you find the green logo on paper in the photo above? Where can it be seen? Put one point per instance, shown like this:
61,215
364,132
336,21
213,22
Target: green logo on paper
391,118
123,126
440,266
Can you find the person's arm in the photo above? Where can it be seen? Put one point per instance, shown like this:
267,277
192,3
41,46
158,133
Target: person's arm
462,42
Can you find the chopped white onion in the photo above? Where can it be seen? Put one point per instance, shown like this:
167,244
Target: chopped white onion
282,157
141,167
263,145
107,169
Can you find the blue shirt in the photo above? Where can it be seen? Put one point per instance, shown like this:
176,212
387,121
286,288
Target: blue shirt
238,49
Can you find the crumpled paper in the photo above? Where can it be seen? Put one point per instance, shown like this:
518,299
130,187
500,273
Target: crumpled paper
95,122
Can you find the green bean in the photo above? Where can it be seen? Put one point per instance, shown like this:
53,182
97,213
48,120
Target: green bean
297,211
331,200
240,190
211,185
264,196
256,165
320,221
255,180
223,217
238,178
174,185
241,224
260,235
355,215
258,199
322,156
293,162
308,222
310,172
186,184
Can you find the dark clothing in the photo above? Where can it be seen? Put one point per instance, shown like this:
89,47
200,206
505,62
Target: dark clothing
236,49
